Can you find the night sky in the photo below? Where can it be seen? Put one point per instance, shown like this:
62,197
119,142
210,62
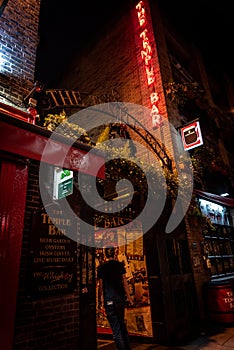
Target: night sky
209,24
65,29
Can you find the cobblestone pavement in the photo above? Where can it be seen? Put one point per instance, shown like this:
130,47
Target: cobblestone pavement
217,338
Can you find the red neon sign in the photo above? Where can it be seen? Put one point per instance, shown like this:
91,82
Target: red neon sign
146,55
141,13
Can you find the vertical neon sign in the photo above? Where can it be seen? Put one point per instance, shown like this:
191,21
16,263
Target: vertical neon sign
146,55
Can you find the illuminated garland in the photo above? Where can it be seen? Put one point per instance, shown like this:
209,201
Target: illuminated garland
125,163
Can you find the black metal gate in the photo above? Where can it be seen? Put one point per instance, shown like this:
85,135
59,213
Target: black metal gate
174,305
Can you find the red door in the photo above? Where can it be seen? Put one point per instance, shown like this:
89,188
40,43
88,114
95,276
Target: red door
13,185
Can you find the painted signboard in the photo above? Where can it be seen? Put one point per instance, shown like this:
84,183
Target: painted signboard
53,256
191,135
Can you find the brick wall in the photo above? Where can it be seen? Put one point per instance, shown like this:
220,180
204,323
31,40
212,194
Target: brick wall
18,45
51,322
113,61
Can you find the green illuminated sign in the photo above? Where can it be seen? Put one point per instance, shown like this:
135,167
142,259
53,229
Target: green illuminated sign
63,183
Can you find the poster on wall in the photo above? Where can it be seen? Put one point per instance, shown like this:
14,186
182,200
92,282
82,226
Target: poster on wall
53,257
130,251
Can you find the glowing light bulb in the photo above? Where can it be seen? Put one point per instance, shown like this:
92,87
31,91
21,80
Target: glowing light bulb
224,194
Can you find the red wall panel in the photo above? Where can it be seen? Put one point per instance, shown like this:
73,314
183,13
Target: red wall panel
13,185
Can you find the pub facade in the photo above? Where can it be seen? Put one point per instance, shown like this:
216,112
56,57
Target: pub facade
149,65
49,257
40,264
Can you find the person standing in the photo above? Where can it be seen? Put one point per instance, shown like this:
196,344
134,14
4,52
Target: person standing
113,287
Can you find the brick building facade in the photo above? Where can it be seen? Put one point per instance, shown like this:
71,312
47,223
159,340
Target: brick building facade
118,58
43,272
136,57
18,43
31,318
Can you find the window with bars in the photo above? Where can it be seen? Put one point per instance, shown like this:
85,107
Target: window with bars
218,240
178,256
219,250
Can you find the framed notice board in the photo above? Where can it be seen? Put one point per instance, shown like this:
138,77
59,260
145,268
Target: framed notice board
53,257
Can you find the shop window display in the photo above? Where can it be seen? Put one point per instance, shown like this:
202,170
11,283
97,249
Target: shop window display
130,251
219,241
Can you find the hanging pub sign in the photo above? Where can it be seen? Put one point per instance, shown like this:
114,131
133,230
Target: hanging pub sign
191,135
63,183
53,255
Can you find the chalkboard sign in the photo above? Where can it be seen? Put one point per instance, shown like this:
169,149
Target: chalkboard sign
53,256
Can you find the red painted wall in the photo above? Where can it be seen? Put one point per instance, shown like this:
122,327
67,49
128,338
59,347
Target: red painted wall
13,185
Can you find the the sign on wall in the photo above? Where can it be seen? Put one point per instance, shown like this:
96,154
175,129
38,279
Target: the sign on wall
53,255
63,183
191,135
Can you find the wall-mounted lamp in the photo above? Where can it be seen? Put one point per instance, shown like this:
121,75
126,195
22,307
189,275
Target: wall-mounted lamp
28,100
224,194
